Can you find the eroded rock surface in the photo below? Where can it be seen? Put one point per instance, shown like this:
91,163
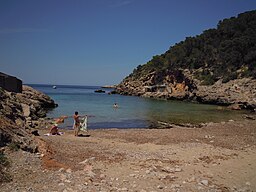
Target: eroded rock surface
17,113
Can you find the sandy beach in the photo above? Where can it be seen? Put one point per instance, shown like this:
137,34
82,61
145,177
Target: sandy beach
216,157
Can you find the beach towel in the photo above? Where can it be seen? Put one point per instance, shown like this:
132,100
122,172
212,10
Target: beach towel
49,134
83,124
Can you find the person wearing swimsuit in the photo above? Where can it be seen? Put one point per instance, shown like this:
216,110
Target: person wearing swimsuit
76,123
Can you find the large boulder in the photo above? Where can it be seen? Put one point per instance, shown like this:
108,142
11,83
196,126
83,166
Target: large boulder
35,104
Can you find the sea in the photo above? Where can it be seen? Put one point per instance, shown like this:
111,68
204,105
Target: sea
132,111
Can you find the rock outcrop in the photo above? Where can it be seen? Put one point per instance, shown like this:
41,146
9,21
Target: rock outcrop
30,104
165,85
239,93
34,103
217,67
16,136
17,111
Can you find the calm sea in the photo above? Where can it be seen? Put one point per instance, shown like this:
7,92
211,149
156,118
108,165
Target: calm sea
133,112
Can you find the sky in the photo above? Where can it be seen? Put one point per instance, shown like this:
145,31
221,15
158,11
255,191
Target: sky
98,42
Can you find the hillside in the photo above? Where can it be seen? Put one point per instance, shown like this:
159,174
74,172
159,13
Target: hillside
210,60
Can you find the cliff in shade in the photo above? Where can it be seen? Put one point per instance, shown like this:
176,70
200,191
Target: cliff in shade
217,67
19,112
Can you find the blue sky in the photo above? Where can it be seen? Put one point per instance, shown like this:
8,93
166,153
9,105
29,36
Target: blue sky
98,42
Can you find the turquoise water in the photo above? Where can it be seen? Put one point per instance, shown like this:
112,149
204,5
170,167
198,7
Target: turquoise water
133,112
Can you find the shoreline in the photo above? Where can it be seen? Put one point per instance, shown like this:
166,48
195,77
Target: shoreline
159,124
179,118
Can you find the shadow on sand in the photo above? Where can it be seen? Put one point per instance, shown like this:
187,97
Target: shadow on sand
84,135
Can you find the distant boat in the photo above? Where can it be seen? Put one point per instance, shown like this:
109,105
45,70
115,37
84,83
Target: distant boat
54,87
99,91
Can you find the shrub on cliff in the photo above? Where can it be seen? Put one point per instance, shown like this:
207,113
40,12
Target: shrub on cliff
4,165
227,52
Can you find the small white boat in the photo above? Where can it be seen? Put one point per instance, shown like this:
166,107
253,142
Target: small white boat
54,87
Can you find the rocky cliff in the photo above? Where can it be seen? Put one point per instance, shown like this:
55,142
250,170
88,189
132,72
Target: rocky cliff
217,67
238,94
17,113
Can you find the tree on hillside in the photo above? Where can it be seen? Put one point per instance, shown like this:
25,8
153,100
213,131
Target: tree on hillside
227,52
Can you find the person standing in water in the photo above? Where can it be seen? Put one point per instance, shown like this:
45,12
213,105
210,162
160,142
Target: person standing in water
115,105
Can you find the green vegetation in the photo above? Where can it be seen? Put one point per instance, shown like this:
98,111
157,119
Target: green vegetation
228,52
14,146
4,164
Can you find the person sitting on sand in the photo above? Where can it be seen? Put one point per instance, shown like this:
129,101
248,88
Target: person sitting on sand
54,130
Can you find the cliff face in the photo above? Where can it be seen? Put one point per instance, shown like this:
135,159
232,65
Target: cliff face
239,92
218,67
17,111
164,85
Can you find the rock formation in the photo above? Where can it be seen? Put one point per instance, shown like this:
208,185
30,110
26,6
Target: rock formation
17,111
217,67
239,93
